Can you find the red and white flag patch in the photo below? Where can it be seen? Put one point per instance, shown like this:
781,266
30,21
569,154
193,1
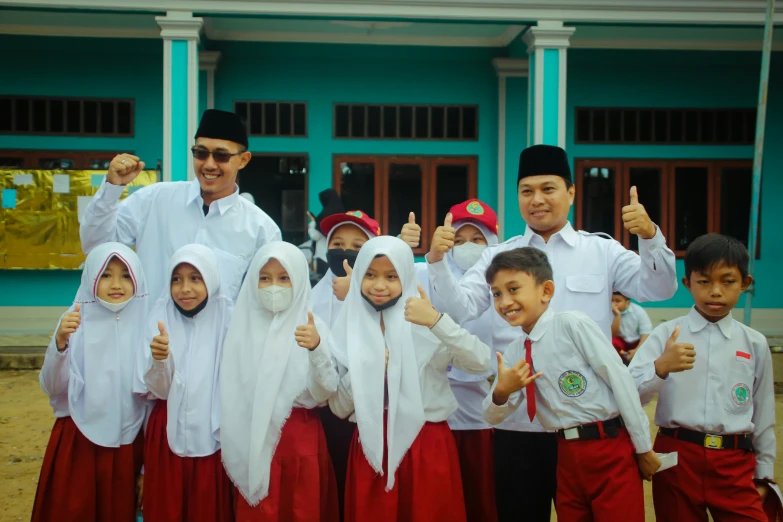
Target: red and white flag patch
744,355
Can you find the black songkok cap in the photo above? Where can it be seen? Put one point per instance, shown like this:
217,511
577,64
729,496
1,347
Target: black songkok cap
540,160
222,125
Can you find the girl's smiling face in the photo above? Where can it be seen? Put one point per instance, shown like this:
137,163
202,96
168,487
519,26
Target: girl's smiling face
381,283
115,284
187,286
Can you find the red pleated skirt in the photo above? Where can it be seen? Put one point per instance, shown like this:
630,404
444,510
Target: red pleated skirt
83,482
302,486
477,465
181,489
427,488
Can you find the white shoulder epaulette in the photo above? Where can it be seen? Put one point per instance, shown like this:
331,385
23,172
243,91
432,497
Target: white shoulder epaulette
599,234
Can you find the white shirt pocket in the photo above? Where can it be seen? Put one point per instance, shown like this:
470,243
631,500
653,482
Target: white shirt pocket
737,393
588,293
232,271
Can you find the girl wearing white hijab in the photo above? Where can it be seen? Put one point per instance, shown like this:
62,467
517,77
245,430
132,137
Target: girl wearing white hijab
94,454
475,225
345,234
393,357
276,369
179,365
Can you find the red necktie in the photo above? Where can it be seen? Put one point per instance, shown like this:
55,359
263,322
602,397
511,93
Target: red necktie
530,389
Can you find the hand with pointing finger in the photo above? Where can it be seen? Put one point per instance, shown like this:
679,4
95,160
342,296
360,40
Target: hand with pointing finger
341,285
160,344
68,324
307,334
419,310
511,380
676,357
635,218
123,169
442,241
411,232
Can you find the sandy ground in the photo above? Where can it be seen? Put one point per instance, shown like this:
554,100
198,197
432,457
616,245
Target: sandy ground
26,420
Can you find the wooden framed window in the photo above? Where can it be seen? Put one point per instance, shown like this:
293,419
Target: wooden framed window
56,159
405,122
390,187
273,118
685,198
57,116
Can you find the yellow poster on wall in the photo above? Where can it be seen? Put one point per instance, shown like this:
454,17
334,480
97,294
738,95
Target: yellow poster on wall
39,218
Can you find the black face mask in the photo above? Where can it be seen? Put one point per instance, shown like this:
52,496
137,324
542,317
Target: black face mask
191,313
335,258
381,307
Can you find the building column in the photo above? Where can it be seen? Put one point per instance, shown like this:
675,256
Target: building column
546,45
207,62
505,68
180,33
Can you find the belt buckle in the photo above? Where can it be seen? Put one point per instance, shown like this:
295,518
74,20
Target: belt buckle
713,441
571,434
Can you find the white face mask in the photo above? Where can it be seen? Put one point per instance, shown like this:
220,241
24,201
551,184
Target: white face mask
114,307
466,255
275,298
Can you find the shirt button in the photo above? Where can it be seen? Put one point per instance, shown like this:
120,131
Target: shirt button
584,287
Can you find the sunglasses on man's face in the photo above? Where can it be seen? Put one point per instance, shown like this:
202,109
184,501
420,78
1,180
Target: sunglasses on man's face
220,156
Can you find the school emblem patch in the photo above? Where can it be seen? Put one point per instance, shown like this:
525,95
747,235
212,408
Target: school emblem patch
355,213
475,208
572,383
740,394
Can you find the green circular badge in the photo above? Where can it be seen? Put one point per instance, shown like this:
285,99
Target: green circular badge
572,383
740,394
475,208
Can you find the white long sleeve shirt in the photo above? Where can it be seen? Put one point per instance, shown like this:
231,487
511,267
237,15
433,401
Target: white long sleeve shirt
54,377
587,269
730,389
160,218
583,380
321,379
458,348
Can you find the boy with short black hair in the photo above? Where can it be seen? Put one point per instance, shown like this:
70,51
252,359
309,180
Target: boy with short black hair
631,326
581,390
720,415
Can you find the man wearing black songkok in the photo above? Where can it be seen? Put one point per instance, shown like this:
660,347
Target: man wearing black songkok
160,218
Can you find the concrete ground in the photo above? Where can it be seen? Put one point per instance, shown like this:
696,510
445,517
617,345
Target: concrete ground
26,420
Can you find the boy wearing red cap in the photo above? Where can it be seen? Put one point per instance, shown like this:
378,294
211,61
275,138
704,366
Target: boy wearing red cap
587,267
476,227
345,234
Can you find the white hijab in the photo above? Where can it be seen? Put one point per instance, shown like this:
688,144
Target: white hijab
325,304
264,371
102,354
491,237
359,345
195,350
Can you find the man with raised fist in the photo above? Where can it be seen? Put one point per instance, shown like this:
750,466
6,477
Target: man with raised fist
160,218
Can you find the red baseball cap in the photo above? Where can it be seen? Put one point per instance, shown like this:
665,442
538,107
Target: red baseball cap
475,210
353,216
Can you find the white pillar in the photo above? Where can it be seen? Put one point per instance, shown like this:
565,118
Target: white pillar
208,61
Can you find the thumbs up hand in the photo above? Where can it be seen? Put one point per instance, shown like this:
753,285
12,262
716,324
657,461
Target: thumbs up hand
635,218
307,334
511,380
676,357
341,285
442,241
411,232
419,310
68,324
160,344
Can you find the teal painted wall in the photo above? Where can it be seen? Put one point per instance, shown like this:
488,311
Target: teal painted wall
324,74
689,79
80,67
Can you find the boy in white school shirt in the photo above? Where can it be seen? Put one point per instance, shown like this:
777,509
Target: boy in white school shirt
587,269
581,390
630,328
716,398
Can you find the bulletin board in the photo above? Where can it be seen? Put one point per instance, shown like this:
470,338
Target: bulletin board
39,217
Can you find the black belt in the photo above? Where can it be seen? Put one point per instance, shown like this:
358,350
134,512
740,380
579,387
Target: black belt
708,440
593,431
